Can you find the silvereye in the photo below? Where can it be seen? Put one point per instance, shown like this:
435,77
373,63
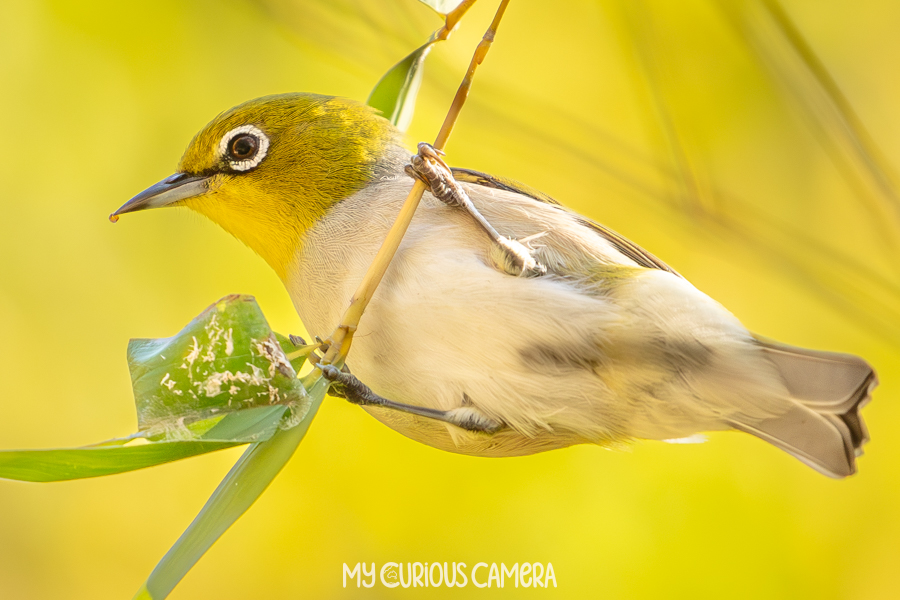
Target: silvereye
607,346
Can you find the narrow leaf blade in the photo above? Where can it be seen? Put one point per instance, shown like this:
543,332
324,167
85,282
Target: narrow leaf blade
248,425
246,481
65,464
395,93
108,458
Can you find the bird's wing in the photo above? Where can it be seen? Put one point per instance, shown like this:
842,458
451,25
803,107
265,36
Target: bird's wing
620,243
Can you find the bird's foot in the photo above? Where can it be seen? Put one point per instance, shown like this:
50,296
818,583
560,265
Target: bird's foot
428,167
514,258
355,391
472,419
508,255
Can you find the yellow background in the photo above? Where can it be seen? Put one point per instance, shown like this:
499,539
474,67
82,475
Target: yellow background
98,99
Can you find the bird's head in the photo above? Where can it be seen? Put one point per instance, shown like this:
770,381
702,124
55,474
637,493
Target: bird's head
268,169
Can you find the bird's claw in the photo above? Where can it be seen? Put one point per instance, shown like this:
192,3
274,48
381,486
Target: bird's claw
340,387
508,255
330,372
428,167
426,150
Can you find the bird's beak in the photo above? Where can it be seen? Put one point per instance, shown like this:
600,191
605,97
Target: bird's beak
170,190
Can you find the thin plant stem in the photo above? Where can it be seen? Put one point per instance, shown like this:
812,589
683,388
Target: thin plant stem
453,18
342,337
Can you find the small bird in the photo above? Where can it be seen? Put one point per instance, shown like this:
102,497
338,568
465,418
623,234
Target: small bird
606,344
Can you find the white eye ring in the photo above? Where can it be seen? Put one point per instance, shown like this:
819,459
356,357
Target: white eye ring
248,163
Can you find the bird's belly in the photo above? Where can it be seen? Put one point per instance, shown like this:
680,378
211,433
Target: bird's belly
555,363
444,342
445,329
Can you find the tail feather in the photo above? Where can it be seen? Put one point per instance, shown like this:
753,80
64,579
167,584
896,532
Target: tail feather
824,428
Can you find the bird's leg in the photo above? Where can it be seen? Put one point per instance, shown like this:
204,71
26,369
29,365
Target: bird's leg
509,255
355,391
347,386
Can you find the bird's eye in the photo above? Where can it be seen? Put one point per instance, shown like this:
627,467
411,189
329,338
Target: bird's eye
243,148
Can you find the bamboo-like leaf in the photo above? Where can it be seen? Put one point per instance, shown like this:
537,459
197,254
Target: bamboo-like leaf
225,380
251,425
79,463
246,481
395,93
63,464
227,359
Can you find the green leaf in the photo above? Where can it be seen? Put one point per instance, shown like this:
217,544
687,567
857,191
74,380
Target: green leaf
79,463
226,379
108,458
246,481
225,360
296,354
442,6
395,94
249,425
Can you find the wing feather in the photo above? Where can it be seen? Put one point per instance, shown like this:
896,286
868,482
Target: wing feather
620,243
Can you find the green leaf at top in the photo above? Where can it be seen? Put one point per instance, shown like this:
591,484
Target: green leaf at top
442,6
395,94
